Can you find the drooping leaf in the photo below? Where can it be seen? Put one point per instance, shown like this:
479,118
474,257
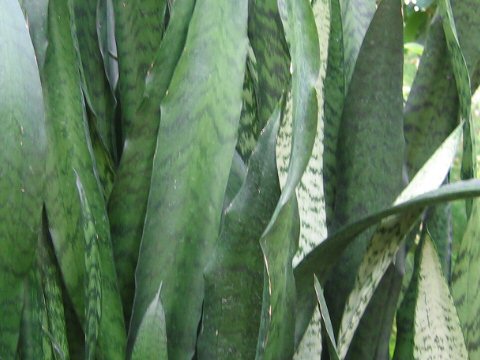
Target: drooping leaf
70,150
234,276
465,276
310,192
370,143
279,244
139,28
151,342
106,40
132,181
22,162
437,331
321,259
195,147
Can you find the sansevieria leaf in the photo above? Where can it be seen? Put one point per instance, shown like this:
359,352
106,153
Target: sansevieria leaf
437,332
22,168
466,273
134,173
151,342
194,151
237,259
70,152
369,153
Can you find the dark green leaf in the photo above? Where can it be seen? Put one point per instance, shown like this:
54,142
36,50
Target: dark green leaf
70,150
234,276
465,277
370,142
132,181
272,59
139,28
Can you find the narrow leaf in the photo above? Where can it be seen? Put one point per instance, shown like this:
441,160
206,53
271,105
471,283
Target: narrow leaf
465,275
151,342
437,329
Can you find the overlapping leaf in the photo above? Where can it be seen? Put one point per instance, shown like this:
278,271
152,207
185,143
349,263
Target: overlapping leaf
369,157
69,151
132,182
234,276
195,147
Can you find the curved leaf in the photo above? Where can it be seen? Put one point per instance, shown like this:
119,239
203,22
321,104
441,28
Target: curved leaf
139,28
22,161
370,145
233,277
70,150
134,173
195,147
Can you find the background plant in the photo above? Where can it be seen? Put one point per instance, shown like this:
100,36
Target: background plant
253,179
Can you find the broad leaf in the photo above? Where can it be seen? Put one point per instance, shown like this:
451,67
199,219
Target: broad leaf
234,275
195,147
22,168
70,151
370,144
132,181
437,332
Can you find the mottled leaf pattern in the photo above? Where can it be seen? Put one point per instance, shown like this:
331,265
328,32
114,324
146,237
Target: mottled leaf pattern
466,275
133,176
369,154
70,150
234,276
437,329
139,28
195,147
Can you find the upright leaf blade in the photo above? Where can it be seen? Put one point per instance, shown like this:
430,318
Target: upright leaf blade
134,173
70,150
22,161
151,342
139,28
437,329
233,277
195,147
370,142
465,275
